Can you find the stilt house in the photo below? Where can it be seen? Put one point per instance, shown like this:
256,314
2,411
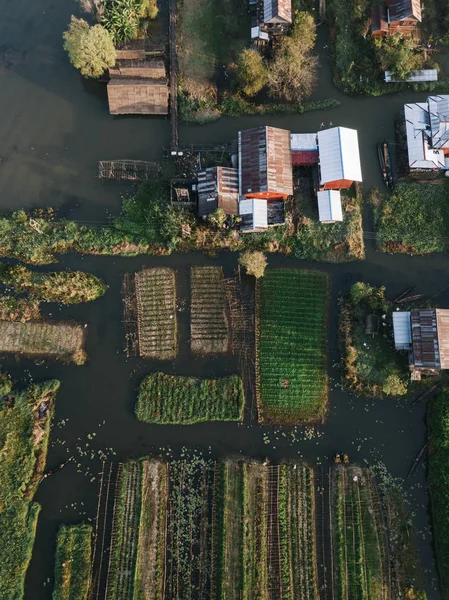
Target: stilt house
275,16
339,158
395,16
425,334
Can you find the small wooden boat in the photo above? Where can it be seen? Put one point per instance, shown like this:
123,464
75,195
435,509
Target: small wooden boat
383,152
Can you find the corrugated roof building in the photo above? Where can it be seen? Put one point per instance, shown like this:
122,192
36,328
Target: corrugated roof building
339,158
218,187
265,163
129,96
304,149
276,11
414,77
258,214
427,129
329,206
402,330
442,315
425,356
395,16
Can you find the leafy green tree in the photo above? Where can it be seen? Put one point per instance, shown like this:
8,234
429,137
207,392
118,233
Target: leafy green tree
254,263
292,73
399,55
252,72
90,49
394,385
122,18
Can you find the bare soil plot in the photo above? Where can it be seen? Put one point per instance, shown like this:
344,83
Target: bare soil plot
209,327
156,311
60,340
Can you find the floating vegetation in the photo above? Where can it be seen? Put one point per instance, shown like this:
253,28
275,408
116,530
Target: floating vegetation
25,421
55,340
185,400
73,562
292,382
156,313
209,328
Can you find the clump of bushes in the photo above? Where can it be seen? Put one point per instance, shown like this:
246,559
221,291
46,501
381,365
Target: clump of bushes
371,365
123,18
254,262
90,49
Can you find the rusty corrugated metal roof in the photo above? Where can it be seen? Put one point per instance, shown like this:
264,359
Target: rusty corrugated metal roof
401,10
218,188
265,161
277,11
425,339
443,336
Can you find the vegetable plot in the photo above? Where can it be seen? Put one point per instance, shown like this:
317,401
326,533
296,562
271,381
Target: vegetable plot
170,399
209,328
291,346
73,562
156,311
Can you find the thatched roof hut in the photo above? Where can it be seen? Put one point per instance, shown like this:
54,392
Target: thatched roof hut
152,69
128,96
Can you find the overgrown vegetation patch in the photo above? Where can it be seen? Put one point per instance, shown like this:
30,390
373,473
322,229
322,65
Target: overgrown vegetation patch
156,312
371,365
55,340
414,218
292,308
25,422
209,327
73,562
439,483
174,399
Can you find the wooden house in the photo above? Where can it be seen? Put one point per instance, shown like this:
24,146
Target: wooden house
265,163
218,187
275,16
425,334
395,16
339,158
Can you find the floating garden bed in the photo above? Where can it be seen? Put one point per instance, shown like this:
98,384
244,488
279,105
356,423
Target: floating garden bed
292,382
371,365
54,340
209,328
185,400
25,422
73,562
156,312
439,482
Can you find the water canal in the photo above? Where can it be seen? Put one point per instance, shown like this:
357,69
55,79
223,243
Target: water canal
54,128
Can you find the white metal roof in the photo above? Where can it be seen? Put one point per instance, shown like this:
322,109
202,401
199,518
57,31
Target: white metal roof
420,154
402,330
415,76
329,206
256,33
257,207
303,141
339,155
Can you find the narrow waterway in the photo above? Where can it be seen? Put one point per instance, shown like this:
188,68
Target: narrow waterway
54,128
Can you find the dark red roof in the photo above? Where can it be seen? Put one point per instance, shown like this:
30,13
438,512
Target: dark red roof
303,158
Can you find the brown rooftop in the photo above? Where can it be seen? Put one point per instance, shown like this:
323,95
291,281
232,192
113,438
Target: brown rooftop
137,96
130,54
153,69
404,9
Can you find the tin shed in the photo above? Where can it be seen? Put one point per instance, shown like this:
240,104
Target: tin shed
329,206
339,158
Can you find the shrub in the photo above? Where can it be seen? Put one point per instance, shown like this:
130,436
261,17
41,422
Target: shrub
149,9
394,385
122,17
255,263
90,49
252,72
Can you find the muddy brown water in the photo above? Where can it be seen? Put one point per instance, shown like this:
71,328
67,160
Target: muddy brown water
54,128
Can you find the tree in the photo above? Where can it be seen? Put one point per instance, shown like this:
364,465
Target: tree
91,49
292,74
252,72
254,262
394,385
399,55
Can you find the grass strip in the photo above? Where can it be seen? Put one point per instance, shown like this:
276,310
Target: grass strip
73,562
172,399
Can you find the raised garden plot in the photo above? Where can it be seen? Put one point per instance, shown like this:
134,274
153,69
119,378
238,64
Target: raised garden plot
73,562
291,346
57,340
185,400
209,328
156,313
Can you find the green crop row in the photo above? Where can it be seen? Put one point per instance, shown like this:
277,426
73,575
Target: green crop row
73,562
185,400
292,308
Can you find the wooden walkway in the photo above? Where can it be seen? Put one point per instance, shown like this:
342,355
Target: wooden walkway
173,78
127,170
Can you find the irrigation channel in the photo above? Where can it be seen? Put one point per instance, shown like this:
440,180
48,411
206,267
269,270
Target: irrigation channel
55,127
